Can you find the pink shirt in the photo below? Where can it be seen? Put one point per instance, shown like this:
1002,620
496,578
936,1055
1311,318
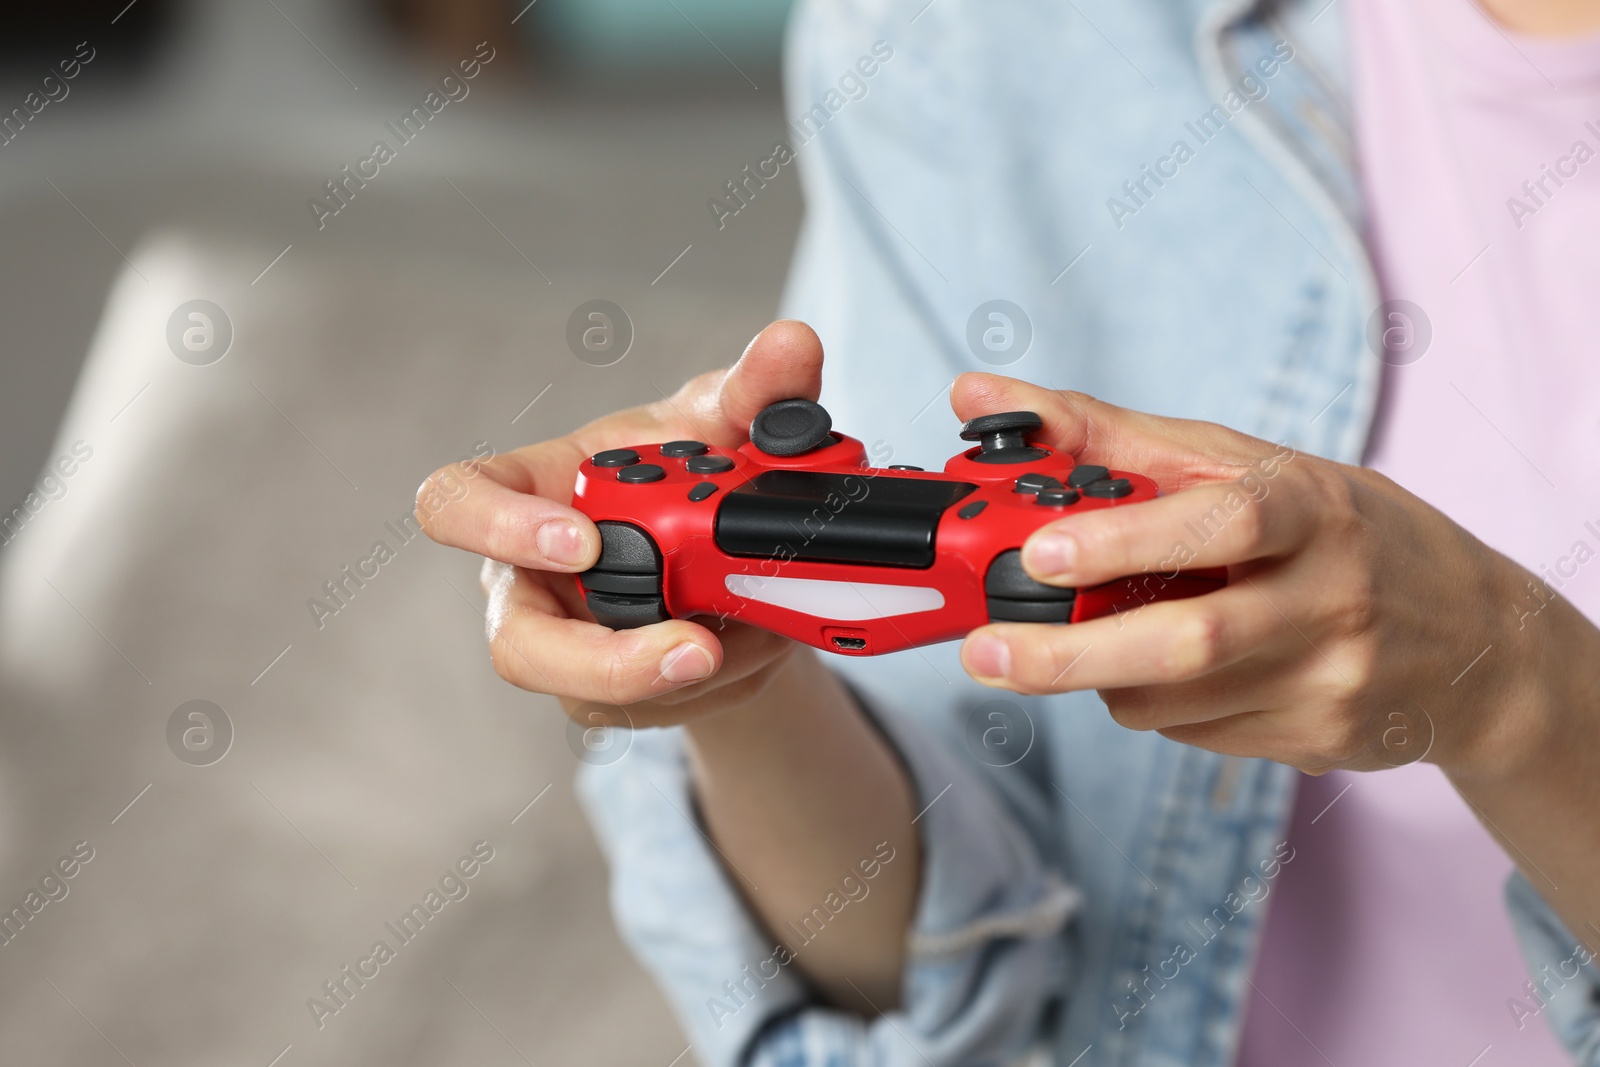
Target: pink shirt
1386,941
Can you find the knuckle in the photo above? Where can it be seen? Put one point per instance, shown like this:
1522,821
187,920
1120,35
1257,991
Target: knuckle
1129,708
503,534
1358,603
1199,645
1336,491
489,575
1034,662
613,686
511,662
1342,741
499,581
1250,526
438,490
500,657
622,671
1102,540
1048,668
1360,667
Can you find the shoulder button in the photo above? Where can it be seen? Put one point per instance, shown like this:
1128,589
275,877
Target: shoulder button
626,549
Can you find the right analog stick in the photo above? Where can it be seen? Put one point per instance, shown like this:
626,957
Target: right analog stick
1003,438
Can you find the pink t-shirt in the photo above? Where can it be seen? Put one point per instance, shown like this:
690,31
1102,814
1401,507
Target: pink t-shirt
1386,939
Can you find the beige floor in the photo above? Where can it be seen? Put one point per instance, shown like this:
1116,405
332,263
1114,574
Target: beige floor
369,755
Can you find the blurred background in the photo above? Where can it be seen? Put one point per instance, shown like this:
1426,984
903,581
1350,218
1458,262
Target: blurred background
217,399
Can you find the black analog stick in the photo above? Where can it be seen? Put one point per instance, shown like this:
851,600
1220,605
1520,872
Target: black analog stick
1004,437
791,428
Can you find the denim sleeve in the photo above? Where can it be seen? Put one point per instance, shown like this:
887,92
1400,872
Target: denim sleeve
985,949
1565,981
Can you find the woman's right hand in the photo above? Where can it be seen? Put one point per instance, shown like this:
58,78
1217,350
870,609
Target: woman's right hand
516,513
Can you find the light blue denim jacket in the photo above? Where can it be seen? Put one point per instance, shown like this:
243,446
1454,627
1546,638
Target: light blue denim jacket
1065,859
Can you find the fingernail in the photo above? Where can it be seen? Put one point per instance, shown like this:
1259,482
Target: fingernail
988,656
1051,554
560,542
687,663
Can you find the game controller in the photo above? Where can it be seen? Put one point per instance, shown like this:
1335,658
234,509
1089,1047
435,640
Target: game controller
795,533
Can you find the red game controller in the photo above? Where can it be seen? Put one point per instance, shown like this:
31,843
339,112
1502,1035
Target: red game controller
795,533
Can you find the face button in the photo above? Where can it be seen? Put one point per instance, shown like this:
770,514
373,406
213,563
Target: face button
615,457
1032,483
791,428
904,467
708,464
1085,473
1109,488
681,449
972,510
641,472
1056,498
701,491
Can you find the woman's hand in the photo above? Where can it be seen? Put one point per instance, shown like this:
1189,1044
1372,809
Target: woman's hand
515,512
1361,628
794,787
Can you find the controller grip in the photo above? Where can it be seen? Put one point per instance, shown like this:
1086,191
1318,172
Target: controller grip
1129,594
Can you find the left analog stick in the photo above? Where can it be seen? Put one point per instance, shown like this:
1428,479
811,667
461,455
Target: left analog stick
791,428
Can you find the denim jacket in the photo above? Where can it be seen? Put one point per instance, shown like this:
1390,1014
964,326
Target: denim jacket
1164,191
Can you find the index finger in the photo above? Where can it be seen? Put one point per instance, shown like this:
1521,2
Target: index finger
512,508
1157,644
1211,525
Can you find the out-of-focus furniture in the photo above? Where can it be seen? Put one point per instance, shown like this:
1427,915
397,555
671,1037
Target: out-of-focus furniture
208,503
371,751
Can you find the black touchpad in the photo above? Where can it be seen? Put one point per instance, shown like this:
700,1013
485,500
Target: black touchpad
836,518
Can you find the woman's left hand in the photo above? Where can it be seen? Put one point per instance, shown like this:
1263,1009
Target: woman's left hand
1360,628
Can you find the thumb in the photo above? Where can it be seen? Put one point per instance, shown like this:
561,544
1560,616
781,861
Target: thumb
1175,452
784,361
